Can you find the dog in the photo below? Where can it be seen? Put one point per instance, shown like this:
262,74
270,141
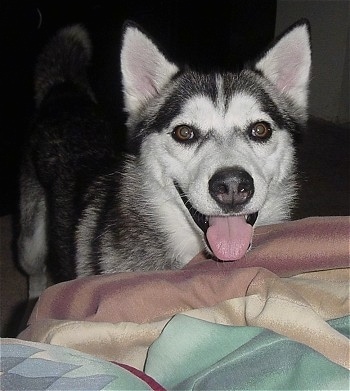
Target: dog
208,157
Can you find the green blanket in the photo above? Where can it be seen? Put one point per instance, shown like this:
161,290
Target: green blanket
240,358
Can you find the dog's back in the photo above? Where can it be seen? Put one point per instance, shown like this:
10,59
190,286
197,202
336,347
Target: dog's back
70,139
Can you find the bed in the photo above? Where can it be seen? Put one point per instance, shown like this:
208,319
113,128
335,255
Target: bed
276,319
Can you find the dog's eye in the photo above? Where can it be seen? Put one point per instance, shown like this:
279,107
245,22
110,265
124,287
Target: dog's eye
183,133
261,131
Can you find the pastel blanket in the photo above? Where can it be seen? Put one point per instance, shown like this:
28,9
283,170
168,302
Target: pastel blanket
276,319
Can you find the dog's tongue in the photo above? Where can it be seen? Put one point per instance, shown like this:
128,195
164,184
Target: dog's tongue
229,237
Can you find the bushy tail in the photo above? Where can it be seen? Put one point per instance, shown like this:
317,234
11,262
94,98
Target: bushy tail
64,59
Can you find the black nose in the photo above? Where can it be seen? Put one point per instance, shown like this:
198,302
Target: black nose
231,187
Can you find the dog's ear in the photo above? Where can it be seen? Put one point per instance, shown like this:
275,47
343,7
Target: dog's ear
287,63
145,70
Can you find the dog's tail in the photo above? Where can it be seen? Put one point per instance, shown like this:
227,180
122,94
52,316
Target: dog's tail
64,59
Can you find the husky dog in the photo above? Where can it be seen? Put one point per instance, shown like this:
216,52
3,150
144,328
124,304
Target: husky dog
208,156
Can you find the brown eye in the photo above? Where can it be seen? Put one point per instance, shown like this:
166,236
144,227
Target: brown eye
261,131
183,133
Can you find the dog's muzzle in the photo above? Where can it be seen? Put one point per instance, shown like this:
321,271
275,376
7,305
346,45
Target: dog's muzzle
202,220
227,236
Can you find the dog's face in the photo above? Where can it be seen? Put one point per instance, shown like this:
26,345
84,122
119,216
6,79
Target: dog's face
221,144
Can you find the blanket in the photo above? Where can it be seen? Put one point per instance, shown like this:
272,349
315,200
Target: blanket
37,366
190,354
277,318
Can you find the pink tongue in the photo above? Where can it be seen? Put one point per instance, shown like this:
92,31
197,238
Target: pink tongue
229,237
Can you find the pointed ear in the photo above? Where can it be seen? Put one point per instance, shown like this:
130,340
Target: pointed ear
287,63
144,68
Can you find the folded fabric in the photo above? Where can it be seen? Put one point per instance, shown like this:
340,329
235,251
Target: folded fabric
296,307
117,317
192,354
36,366
286,249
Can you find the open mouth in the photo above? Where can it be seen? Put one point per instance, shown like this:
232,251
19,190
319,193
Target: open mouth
228,237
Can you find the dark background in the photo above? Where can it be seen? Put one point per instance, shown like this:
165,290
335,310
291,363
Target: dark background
213,34
209,34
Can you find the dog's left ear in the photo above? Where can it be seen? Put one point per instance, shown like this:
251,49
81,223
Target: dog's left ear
287,63
145,70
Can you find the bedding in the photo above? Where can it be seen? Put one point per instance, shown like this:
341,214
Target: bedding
36,366
276,319
190,354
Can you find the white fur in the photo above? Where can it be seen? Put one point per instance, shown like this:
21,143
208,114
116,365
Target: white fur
184,239
33,241
35,247
84,238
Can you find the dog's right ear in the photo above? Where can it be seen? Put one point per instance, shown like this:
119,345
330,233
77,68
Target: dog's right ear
145,70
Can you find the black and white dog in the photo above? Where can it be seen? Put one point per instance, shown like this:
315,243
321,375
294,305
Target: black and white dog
209,156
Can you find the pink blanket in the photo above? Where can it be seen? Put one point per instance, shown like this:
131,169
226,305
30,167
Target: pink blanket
294,279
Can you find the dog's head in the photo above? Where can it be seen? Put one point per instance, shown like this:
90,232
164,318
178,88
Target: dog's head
220,143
